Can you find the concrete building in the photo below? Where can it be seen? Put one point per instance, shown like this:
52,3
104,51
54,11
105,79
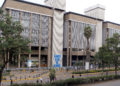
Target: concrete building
97,11
58,36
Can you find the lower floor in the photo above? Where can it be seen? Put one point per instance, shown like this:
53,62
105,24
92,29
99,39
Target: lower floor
43,58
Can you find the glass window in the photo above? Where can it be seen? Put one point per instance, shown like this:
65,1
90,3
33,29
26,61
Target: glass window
45,29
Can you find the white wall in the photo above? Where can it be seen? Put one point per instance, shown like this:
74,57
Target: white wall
98,35
96,11
57,47
61,4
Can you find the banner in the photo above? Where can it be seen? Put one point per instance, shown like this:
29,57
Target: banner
57,60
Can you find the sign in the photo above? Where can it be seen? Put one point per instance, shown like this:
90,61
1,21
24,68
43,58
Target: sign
87,65
29,63
57,60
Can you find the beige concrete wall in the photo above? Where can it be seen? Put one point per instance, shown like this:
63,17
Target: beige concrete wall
44,52
105,25
80,53
27,7
80,18
110,25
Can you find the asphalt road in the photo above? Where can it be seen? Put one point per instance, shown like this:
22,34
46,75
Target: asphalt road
108,83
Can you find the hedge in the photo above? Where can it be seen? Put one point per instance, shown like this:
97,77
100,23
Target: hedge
92,71
74,81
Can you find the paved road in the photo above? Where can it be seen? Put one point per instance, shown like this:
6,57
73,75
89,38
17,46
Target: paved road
108,83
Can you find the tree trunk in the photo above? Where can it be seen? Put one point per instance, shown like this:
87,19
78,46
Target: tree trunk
1,71
87,63
103,66
109,66
116,66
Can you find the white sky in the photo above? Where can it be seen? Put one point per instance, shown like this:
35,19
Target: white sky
112,12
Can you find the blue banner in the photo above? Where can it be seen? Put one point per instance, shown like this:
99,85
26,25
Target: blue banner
57,60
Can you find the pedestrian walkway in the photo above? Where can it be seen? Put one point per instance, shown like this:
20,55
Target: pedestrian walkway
36,76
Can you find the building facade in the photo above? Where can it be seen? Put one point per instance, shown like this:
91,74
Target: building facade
57,37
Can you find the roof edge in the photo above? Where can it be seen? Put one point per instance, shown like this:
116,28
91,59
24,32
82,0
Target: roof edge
83,15
38,5
3,3
112,23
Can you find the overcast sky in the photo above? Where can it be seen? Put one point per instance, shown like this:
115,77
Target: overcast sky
112,12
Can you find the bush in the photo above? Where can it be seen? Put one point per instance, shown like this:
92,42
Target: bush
3,78
8,71
93,71
75,81
52,74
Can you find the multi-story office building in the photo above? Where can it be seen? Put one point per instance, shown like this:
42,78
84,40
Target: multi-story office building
57,37
109,28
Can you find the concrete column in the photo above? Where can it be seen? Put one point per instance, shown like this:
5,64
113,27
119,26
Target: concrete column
68,45
70,28
39,56
19,56
98,35
107,32
68,56
49,43
77,58
30,35
69,49
57,39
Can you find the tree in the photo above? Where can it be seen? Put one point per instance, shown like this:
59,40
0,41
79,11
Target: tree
103,56
78,64
109,53
52,74
11,42
23,59
87,34
114,46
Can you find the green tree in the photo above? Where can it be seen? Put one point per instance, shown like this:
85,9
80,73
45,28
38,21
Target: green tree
87,34
109,53
78,64
52,74
103,56
114,46
11,42
23,59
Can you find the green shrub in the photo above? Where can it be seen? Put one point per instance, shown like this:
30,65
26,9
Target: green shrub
75,81
93,71
52,74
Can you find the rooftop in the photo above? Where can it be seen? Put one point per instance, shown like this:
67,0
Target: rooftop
94,7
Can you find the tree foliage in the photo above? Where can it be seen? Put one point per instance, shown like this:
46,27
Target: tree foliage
87,34
114,47
11,41
52,74
109,53
103,57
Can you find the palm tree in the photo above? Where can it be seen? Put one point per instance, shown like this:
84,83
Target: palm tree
87,34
